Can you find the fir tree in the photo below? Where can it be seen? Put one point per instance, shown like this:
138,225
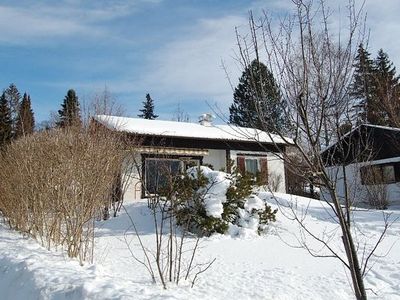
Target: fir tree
257,101
13,98
386,100
5,121
69,114
148,109
25,121
375,90
362,86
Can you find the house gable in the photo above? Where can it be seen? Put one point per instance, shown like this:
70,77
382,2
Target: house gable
364,143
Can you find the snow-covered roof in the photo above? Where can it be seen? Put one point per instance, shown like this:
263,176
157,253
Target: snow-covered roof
187,130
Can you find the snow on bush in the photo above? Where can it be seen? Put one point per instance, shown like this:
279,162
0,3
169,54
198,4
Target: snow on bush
214,193
220,202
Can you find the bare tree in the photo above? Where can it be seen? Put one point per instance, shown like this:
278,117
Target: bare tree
313,68
180,115
101,103
106,105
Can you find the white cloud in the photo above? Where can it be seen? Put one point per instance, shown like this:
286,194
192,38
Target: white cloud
190,65
383,22
40,22
19,24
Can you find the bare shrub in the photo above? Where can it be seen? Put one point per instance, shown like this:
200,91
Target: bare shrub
375,186
296,172
55,182
172,258
377,196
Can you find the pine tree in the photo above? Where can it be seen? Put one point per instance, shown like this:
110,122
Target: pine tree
257,100
5,121
69,114
13,98
362,86
386,96
25,121
148,109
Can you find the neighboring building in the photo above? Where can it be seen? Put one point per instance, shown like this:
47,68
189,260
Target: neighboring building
369,158
175,146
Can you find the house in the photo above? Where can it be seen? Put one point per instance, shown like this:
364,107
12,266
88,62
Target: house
368,158
175,146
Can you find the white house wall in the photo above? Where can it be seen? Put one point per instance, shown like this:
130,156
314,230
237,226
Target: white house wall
276,172
131,176
356,190
216,158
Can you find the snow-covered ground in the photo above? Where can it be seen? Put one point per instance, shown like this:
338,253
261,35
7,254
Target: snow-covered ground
250,267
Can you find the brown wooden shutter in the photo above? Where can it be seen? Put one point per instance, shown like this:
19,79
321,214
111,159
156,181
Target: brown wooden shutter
241,164
264,170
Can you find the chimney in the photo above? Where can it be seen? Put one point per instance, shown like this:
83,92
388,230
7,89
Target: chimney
206,119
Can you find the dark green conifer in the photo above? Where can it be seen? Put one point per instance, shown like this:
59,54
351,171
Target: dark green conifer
25,120
386,93
361,88
257,100
13,98
148,109
69,114
5,121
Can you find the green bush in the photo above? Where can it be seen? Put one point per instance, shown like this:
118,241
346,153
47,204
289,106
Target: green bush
187,194
241,187
188,191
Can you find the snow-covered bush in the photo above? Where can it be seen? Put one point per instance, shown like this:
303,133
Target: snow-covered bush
197,200
244,209
240,188
207,201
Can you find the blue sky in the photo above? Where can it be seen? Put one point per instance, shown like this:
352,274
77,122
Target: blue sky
170,49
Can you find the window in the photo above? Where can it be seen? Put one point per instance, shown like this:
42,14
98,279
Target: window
251,165
160,171
258,166
378,174
388,174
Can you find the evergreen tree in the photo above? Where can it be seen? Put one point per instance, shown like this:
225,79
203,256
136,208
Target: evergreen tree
148,109
386,100
375,90
13,98
257,101
69,114
362,86
5,120
25,121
